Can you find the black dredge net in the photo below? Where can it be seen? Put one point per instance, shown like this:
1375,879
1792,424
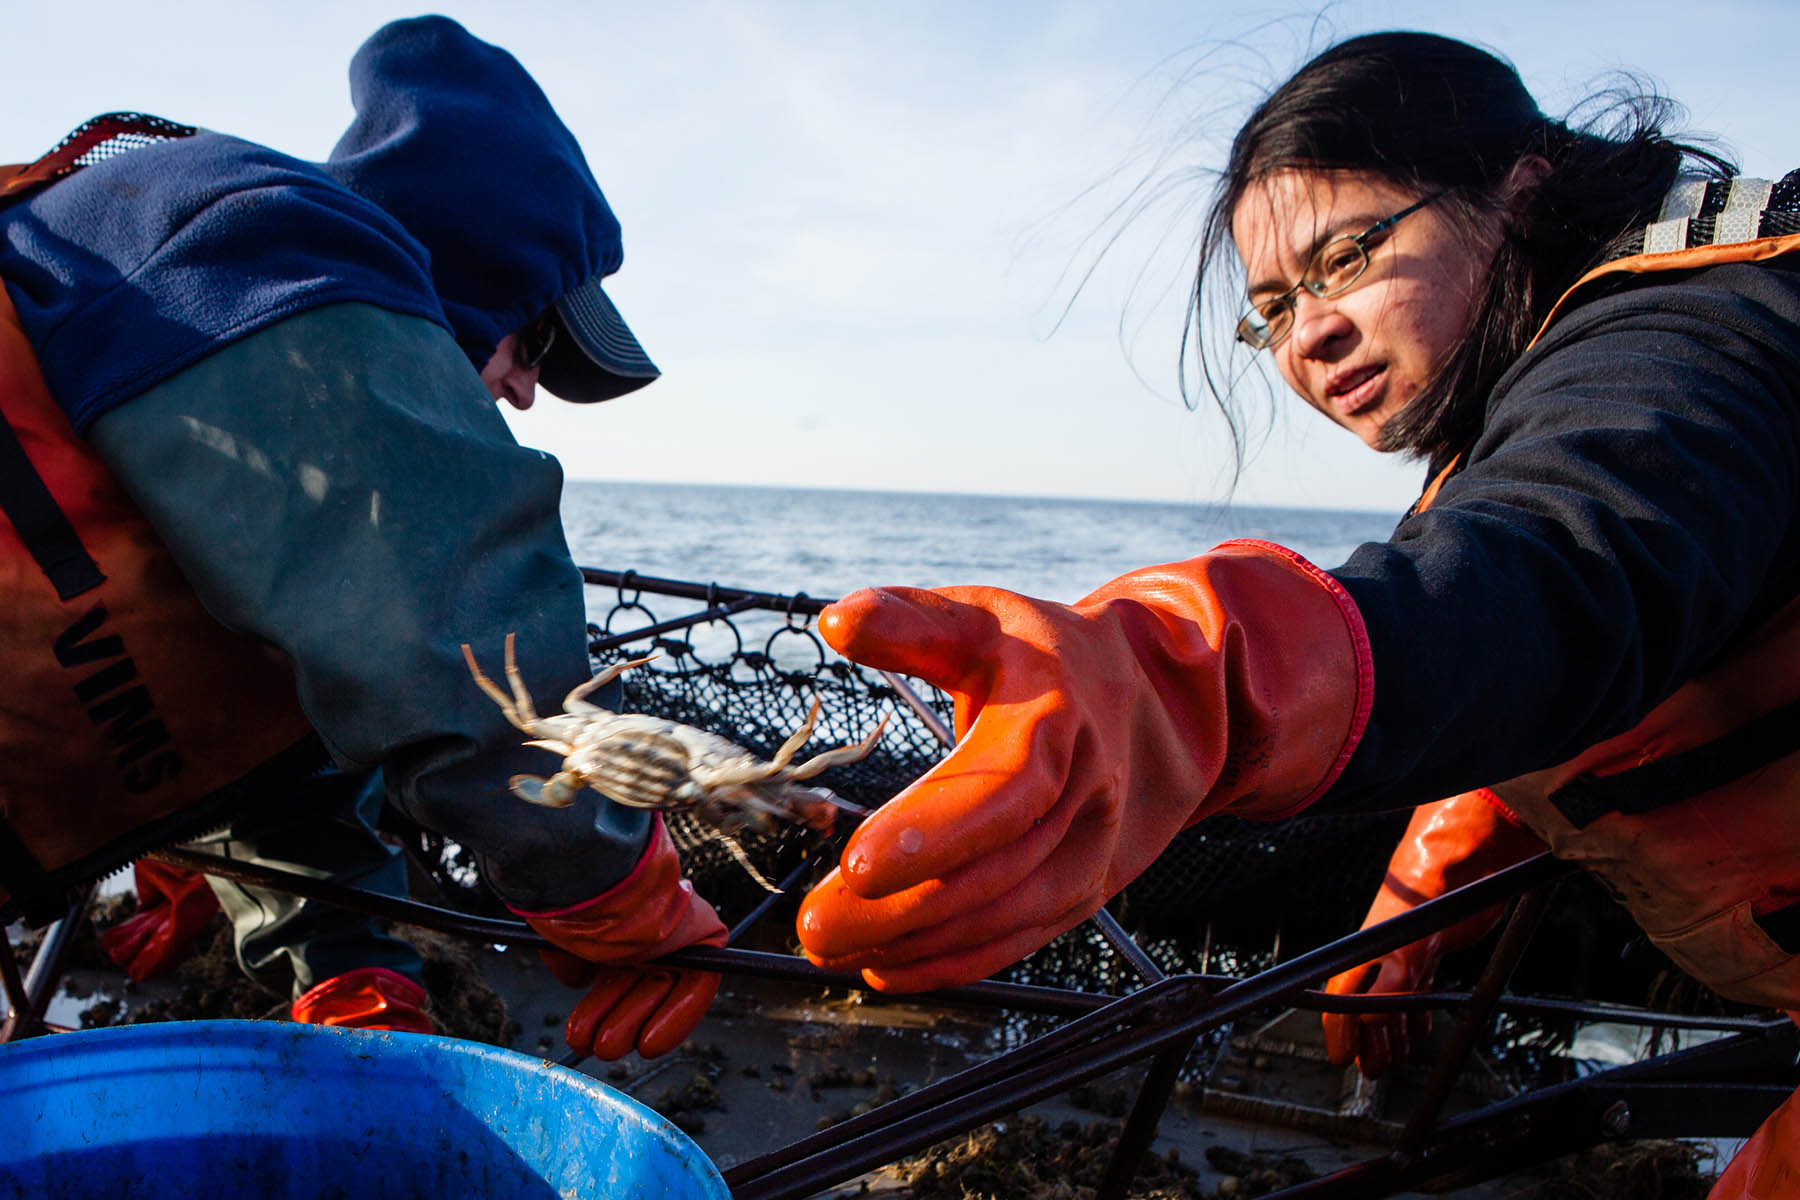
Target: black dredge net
1228,897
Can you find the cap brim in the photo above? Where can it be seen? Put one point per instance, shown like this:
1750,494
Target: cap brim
596,357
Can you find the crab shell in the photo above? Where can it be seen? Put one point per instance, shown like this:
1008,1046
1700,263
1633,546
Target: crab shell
648,762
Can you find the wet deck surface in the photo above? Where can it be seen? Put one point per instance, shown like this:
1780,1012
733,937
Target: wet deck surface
774,1062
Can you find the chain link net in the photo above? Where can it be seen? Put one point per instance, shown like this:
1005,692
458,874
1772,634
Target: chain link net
1222,897
757,699
1228,897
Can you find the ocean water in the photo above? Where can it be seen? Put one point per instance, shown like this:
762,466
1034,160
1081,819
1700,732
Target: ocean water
828,543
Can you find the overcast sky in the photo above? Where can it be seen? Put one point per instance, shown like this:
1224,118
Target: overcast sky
854,232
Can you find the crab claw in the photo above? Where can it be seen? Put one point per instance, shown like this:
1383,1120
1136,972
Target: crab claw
818,807
551,793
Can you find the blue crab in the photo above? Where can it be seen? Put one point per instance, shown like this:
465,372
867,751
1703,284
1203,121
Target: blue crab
649,762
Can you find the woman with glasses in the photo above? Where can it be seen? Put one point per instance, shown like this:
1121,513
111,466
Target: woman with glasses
1585,633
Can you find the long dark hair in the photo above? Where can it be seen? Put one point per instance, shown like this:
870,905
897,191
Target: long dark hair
1432,114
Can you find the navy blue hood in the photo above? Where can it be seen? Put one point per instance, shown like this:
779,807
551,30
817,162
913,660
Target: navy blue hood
460,145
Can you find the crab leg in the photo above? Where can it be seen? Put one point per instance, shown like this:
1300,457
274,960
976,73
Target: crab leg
797,739
517,681
832,758
605,677
522,719
644,762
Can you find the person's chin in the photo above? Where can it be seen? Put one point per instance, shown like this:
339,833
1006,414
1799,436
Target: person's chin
1365,425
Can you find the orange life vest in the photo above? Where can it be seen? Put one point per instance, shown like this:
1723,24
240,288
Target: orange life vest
129,717
1692,817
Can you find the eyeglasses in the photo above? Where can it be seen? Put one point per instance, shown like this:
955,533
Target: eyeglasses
535,341
1333,270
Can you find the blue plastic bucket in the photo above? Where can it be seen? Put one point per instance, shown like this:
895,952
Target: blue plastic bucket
198,1109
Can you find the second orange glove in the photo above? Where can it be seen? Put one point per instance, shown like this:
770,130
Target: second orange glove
601,942
173,907
1446,845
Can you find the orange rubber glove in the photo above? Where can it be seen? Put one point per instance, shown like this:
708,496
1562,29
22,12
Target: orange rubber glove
173,907
1088,737
653,912
366,998
1446,845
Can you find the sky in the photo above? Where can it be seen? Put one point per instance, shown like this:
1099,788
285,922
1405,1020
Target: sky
921,246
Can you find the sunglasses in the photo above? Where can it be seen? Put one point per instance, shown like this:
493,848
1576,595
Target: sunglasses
536,340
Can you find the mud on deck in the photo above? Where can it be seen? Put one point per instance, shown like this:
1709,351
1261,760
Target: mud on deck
774,1061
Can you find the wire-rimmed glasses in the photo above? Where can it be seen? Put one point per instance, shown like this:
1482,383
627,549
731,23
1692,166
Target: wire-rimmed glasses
1333,270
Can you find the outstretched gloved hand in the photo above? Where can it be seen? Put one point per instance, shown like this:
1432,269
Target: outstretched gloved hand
653,912
1446,845
1088,737
173,907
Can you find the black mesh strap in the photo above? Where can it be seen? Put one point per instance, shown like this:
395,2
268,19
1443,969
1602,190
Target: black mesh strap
1682,776
41,523
102,137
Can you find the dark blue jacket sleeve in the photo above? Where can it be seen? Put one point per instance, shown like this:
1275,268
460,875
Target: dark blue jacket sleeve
1627,512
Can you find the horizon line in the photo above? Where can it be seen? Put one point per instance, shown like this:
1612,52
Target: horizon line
978,495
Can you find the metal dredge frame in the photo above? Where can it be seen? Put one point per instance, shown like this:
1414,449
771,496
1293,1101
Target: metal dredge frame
1723,1088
